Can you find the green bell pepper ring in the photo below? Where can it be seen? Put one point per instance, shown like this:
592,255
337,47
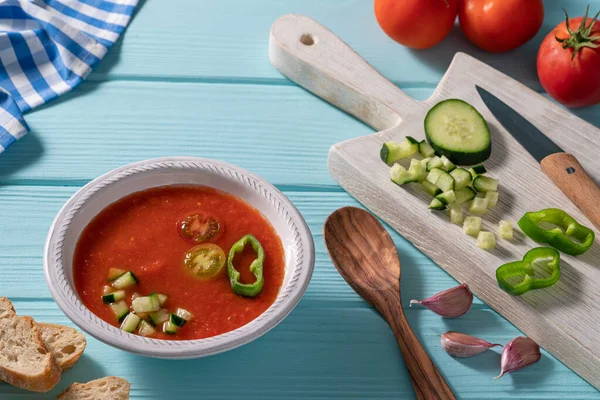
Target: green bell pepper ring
519,277
246,289
570,237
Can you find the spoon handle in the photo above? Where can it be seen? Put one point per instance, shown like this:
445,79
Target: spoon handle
426,378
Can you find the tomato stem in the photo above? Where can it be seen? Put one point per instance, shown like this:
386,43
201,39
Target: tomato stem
582,36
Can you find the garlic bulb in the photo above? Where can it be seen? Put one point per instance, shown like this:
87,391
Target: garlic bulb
450,303
460,345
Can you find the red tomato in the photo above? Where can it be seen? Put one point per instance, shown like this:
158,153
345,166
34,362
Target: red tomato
418,24
500,25
571,76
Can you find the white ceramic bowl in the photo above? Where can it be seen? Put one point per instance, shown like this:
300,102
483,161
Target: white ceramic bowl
95,196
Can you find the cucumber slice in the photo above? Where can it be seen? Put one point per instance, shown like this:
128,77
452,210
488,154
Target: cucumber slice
435,162
114,273
462,178
431,188
464,195
162,299
177,320
146,304
505,229
130,323
434,175
447,164
183,313
120,309
126,280
417,170
478,206
393,151
456,214
170,328
446,197
477,170
454,128
445,182
492,198
436,205
425,149
485,184
146,329
486,240
472,226
113,297
399,175
159,316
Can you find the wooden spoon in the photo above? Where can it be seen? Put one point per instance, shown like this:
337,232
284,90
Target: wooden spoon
366,257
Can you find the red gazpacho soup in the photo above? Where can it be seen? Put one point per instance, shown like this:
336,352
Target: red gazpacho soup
179,263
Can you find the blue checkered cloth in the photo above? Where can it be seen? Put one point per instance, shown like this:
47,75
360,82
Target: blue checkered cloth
47,47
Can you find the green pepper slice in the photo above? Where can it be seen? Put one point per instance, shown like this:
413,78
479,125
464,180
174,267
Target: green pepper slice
570,237
246,289
205,260
519,277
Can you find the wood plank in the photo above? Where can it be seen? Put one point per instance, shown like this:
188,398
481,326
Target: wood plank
281,133
320,352
27,211
216,40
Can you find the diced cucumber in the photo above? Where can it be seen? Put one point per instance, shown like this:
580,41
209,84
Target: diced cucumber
464,195
447,164
135,296
435,162
159,316
425,149
486,240
417,170
434,174
183,313
445,182
462,178
107,289
472,226
454,128
446,197
425,161
393,151
485,184
456,214
126,280
399,175
477,170
177,320
162,298
505,229
114,273
120,309
478,206
170,328
492,198
146,304
436,205
146,329
113,297
431,188
130,323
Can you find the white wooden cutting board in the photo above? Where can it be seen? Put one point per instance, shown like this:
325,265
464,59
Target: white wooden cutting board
564,319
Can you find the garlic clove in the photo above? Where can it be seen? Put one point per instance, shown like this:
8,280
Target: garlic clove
519,353
460,345
450,303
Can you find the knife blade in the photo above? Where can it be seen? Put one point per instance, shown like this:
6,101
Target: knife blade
530,137
562,168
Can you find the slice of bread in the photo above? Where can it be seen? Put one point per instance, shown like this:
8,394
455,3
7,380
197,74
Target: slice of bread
109,388
65,343
25,361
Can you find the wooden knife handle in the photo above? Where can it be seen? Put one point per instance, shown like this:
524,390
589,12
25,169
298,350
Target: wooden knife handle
570,177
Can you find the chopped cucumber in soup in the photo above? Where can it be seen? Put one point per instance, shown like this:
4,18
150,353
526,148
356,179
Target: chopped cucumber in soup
435,162
126,280
120,309
114,273
146,304
431,188
492,198
464,195
462,178
393,151
472,225
478,206
183,313
454,128
107,289
485,184
446,197
486,240
436,205
456,214
399,175
170,328
425,149
159,316
477,170
505,229
177,320
130,323
113,297
146,329
162,298
447,164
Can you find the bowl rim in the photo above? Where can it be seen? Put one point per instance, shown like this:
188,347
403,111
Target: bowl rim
289,296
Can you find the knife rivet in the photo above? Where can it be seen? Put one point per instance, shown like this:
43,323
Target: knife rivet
570,170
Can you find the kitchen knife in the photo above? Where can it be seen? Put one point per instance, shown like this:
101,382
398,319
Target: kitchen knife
562,168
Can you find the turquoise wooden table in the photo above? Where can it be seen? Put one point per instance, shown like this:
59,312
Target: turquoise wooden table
192,77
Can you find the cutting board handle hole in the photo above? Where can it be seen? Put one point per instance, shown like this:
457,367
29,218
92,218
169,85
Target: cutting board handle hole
308,40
